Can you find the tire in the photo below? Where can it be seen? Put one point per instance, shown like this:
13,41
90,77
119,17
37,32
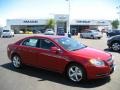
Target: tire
75,73
115,46
99,37
92,37
16,61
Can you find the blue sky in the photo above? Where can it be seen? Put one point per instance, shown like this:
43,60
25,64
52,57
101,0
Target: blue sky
80,9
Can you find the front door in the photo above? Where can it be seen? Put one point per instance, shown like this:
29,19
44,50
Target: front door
48,59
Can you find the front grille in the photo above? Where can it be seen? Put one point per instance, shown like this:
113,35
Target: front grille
111,65
110,60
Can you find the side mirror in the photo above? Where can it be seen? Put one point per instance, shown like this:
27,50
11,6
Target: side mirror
55,50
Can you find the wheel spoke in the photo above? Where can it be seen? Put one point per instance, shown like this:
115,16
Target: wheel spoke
76,69
72,75
76,77
18,62
79,74
14,58
72,70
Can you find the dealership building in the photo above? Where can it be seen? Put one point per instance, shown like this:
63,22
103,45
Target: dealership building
61,21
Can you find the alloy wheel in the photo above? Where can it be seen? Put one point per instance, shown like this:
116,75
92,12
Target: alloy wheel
16,61
116,46
75,73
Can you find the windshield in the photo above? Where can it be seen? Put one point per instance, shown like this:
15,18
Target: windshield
5,30
70,44
94,31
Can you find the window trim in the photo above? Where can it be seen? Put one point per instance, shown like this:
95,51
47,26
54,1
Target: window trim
21,44
49,40
39,40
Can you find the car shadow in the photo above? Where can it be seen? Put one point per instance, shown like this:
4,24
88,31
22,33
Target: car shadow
43,75
109,50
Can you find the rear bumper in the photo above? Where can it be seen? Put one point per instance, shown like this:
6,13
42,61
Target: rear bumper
98,36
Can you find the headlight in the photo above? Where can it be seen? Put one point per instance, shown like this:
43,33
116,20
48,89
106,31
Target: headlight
98,63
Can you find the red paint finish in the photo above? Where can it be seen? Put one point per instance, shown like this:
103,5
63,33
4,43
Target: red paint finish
57,61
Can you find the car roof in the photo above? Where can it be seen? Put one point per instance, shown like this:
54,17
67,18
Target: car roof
46,36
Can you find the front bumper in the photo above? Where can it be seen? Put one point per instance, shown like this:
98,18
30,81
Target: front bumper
109,43
100,72
6,35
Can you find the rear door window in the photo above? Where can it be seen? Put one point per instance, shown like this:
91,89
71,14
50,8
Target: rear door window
32,42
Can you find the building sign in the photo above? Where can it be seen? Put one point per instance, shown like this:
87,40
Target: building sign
30,21
61,17
91,22
83,21
101,22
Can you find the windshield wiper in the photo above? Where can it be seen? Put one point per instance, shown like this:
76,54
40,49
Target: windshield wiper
75,49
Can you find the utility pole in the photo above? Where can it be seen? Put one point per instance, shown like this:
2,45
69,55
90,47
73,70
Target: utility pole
118,7
69,8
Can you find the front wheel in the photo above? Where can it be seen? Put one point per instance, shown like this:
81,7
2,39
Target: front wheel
92,37
99,37
75,73
16,61
116,46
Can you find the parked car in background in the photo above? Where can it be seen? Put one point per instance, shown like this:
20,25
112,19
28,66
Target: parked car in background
7,33
61,54
28,32
91,34
113,32
73,31
114,43
0,32
49,32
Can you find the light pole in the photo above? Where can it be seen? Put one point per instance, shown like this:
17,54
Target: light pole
118,7
68,27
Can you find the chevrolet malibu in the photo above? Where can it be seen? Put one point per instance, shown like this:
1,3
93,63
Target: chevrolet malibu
63,55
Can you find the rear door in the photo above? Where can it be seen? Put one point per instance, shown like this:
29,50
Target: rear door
28,51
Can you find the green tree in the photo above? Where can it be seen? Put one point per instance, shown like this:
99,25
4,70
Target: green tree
51,23
115,24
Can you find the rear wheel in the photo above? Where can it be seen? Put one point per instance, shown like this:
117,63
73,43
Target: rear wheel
16,61
115,46
75,73
81,36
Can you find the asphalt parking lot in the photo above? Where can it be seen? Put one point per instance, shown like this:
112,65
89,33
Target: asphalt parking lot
36,79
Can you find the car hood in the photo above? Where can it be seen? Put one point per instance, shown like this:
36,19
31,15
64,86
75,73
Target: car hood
91,53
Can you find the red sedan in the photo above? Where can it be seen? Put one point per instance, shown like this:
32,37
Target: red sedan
61,54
